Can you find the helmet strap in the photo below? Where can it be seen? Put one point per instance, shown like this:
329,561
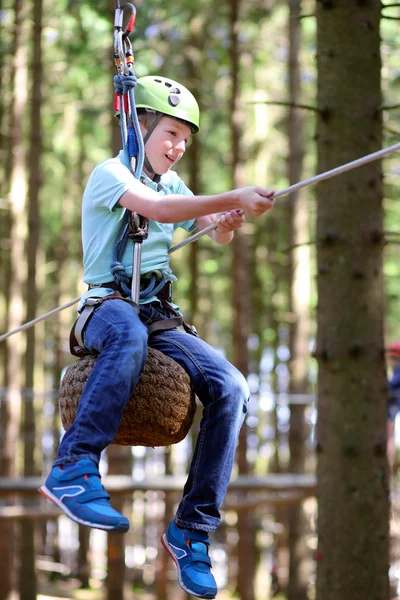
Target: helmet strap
156,177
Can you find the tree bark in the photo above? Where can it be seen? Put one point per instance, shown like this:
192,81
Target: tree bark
10,407
351,433
299,299
241,307
27,578
119,462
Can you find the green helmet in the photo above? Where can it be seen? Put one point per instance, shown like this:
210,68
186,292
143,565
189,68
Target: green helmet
168,97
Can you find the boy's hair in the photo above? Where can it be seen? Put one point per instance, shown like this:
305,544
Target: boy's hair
147,117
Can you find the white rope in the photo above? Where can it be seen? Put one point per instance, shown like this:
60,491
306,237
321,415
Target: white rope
285,192
42,318
297,186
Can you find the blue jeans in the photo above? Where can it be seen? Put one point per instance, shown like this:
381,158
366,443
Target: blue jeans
120,337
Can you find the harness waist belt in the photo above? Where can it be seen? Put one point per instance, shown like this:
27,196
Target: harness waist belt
165,293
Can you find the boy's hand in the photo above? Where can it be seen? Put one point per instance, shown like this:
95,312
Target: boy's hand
229,221
255,200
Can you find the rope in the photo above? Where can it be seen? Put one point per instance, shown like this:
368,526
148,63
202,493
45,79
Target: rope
132,141
133,148
42,318
321,177
116,267
301,184
153,289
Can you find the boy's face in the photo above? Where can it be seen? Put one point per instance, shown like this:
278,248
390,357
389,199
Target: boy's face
166,144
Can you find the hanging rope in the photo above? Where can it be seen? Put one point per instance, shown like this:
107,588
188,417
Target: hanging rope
131,137
116,267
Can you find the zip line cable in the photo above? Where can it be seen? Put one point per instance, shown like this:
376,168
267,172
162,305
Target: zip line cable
285,192
38,319
301,184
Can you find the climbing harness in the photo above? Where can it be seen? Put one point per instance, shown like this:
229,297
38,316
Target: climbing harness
76,345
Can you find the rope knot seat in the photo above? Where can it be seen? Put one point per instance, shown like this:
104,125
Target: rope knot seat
160,411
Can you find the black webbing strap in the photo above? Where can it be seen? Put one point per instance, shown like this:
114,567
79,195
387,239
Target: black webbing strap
83,318
76,344
164,324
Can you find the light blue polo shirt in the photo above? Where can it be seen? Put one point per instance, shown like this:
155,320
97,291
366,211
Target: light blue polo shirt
101,222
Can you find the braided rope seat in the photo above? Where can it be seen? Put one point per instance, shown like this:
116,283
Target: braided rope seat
160,411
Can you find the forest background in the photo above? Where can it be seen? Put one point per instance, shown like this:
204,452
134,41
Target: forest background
287,89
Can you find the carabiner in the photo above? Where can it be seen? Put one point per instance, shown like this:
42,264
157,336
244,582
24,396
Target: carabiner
123,54
119,18
132,19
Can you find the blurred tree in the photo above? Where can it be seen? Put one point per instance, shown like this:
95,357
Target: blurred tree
27,550
16,186
241,301
299,306
119,463
5,127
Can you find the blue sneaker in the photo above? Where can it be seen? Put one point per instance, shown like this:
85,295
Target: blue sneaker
189,549
77,490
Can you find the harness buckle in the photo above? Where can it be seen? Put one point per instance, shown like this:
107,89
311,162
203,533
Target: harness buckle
93,301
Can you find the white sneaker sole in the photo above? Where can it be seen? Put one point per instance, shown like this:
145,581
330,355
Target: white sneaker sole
50,496
164,542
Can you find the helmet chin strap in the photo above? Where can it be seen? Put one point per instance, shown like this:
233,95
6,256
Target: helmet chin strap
155,176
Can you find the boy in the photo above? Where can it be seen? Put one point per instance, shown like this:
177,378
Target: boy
168,115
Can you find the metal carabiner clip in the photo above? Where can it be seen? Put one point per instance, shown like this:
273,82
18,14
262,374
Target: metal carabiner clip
123,54
132,19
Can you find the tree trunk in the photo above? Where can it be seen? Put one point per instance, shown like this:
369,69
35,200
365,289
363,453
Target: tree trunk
17,196
194,247
352,472
299,286
198,25
27,578
241,309
5,143
163,558
119,463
